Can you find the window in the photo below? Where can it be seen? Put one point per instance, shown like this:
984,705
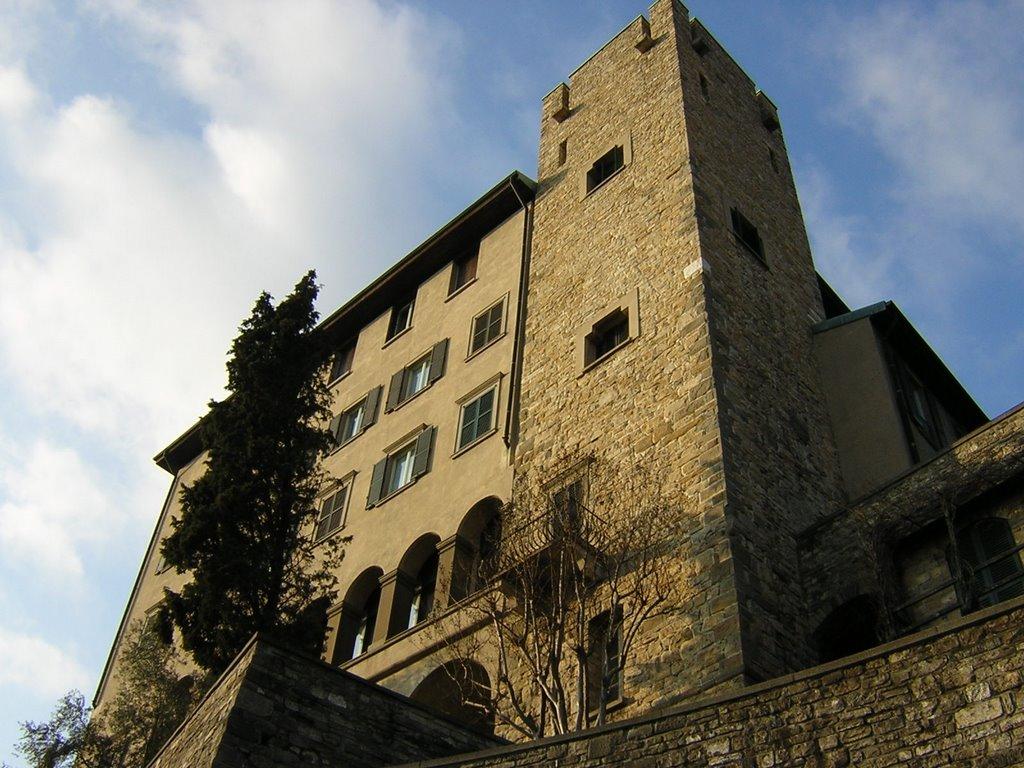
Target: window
401,318
424,591
604,660
608,335
487,327
417,376
356,419
704,90
988,547
773,159
606,166
477,418
567,503
332,513
366,622
463,272
747,235
401,468
563,151
341,362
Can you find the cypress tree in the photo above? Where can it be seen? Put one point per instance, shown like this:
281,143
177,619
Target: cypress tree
244,531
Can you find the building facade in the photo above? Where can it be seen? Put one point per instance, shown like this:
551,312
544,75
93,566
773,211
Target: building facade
652,298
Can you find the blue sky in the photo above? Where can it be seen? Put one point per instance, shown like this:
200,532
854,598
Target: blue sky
161,163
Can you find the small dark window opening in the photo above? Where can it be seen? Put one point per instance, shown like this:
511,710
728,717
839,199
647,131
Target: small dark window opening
401,318
704,90
773,159
849,629
563,152
604,660
567,502
604,168
607,336
747,235
987,548
463,272
341,362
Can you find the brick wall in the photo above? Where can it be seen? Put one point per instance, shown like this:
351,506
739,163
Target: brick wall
941,697
275,709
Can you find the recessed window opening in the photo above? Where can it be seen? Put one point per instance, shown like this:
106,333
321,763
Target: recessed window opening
563,151
401,318
398,473
366,623
463,272
608,335
747,234
988,547
477,418
341,362
704,89
773,159
416,378
605,167
487,327
604,659
332,513
424,591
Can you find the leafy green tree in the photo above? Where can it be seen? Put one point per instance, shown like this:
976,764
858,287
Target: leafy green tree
152,698
244,531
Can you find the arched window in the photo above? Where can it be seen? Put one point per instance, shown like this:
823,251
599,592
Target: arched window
358,616
423,591
480,530
988,550
366,623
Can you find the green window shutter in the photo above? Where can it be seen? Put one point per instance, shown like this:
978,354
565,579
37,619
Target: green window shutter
370,411
376,482
395,391
335,427
423,445
437,359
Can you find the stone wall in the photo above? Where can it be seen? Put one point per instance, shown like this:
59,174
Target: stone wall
273,709
867,549
942,697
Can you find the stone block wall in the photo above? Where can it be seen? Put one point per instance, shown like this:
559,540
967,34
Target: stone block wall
274,709
865,550
941,697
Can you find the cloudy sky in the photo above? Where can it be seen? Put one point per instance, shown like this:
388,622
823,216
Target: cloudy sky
163,162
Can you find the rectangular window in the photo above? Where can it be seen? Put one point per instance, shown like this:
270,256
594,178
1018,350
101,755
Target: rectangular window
747,235
341,362
417,376
606,166
332,513
608,335
477,418
487,327
357,418
463,272
401,318
401,467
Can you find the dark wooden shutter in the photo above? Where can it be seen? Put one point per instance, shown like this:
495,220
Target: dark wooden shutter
423,445
437,358
395,392
370,409
335,427
376,482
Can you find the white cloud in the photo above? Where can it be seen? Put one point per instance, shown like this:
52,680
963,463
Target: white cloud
51,505
30,662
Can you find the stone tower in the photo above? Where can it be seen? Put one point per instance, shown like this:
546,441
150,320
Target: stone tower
671,293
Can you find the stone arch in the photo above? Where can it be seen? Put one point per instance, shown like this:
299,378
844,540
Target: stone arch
416,584
460,690
358,615
478,533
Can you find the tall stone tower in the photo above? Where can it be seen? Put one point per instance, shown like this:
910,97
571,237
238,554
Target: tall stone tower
671,295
